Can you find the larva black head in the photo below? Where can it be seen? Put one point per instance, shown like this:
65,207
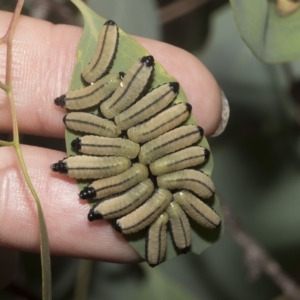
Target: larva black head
188,107
60,101
122,75
174,87
185,250
148,61
60,167
92,215
116,226
87,193
206,154
109,22
201,131
76,144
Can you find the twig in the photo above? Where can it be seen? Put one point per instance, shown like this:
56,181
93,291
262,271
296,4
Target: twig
178,9
5,143
7,87
258,260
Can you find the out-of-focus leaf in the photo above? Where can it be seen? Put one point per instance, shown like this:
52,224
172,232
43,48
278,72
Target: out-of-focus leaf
272,37
159,286
191,29
128,52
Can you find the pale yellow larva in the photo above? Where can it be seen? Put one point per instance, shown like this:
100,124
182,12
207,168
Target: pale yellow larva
116,184
91,95
180,227
161,123
156,240
99,145
197,209
91,124
145,214
195,181
118,206
169,142
129,90
91,167
155,101
104,54
183,159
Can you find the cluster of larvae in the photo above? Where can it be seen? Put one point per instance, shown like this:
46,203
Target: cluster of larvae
138,150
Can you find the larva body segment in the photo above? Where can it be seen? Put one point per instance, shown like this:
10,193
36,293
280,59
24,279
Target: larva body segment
104,54
118,206
116,184
192,180
152,103
180,227
156,240
91,124
169,142
91,95
197,209
158,125
145,214
99,145
91,167
133,84
183,159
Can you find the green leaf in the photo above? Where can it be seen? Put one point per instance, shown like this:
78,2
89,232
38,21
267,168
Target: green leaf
272,36
160,286
129,51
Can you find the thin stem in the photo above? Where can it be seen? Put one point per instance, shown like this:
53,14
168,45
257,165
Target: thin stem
257,259
9,36
8,80
4,87
44,242
83,279
5,143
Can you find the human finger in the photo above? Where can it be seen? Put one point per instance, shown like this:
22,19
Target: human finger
43,61
70,232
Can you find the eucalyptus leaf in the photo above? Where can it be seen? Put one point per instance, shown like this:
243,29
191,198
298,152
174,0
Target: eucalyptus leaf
128,52
271,35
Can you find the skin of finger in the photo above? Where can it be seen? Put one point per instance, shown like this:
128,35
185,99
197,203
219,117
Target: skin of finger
43,60
70,232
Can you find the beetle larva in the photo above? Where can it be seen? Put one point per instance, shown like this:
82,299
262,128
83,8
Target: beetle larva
90,167
158,125
104,54
180,227
183,159
156,240
118,206
92,124
99,145
145,214
132,86
91,95
169,142
197,209
189,179
145,128
116,184
152,103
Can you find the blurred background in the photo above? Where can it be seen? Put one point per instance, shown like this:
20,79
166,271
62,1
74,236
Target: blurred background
256,165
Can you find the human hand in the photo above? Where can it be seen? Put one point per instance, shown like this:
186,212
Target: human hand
43,60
